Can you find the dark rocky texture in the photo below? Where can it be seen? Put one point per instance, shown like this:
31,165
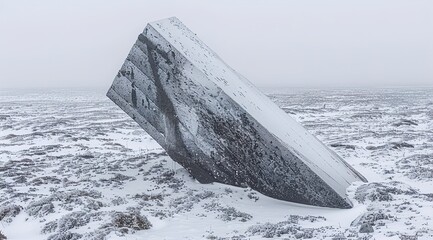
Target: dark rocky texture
366,228
7,213
218,126
131,220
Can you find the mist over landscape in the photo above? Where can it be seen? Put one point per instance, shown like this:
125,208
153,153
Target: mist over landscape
279,43
130,120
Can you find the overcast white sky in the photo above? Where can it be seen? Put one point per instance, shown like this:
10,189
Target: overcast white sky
302,43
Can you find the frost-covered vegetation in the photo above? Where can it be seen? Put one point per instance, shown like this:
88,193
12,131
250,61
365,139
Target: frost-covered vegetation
74,166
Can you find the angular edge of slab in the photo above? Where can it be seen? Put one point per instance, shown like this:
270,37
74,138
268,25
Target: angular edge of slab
170,35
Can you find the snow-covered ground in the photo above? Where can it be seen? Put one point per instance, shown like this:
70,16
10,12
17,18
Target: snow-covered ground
73,165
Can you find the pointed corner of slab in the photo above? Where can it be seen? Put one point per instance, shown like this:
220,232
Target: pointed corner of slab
165,20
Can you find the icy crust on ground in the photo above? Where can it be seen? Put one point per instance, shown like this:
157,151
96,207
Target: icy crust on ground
65,173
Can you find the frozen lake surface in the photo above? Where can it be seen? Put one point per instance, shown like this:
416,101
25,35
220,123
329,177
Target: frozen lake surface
73,165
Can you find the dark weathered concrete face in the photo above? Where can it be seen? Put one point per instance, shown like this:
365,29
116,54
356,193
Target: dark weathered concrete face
214,123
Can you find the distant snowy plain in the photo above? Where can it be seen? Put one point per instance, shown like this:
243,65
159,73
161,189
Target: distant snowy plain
74,166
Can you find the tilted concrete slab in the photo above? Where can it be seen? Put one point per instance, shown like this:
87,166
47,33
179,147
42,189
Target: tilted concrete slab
217,125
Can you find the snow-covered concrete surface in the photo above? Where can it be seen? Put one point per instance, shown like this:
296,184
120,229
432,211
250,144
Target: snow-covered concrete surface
73,165
313,153
218,126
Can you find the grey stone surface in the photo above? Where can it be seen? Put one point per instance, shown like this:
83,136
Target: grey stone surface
218,126
366,228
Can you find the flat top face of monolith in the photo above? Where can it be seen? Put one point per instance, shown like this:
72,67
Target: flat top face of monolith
320,159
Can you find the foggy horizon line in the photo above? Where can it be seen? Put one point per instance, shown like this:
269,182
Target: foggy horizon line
259,86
